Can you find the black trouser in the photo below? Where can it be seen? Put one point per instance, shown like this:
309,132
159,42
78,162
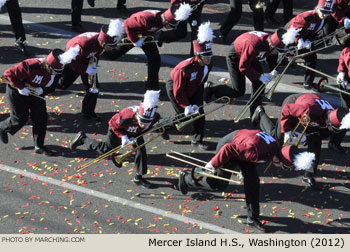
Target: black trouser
67,78
235,15
272,6
153,61
197,98
237,87
112,141
250,174
21,108
15,15
77,7
313,135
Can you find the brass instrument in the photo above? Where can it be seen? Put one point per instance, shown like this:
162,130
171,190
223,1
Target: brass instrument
323,82
304,119
260,4
92,79
27,85
117,158
126,41
193,117
199,171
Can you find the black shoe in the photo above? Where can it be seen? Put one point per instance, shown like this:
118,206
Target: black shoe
208,92
139,180
78,140
183,188
91,3
256,223
43,150
272,20
336,147
223,39
310,182
78,28
92,117
307,86
199,144
19,45
3,136
255,119
165,136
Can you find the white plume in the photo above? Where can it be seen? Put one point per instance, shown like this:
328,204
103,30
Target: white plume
290,36
115,28
2,3
183,12
151,99
345,122
68,56
303,161
205,33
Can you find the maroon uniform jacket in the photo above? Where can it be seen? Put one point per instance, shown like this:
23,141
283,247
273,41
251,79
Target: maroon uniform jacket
187,77
30,71
309,104
344,61
253,146
309,22
143,23
89,47
125,123
251,47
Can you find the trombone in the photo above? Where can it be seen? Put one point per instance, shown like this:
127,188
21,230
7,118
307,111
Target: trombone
199,170
305,118
92,79
181,125
126,41
114,153
323,82
3,80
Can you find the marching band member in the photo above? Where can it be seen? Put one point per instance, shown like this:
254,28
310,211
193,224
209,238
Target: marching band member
180,30
139,28
15,15
340,14
325,121
344,75
242,60
244,149
272,6
185,88
124,127
27,82
309,24
90,45
235,14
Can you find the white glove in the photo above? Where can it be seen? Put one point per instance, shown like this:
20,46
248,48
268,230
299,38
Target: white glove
209,167
125,140
38,90
91,70
304,44
24,91
346,23
189,110
139,42
195,108
340,77
132,140
293,139
274,74
265,78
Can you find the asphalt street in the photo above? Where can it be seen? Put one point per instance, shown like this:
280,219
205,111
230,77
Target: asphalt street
45,195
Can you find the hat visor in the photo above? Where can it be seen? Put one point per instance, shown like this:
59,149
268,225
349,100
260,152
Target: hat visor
144,120
325,12
205,54
57,70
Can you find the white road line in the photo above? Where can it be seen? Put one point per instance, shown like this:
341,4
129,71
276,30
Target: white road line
169,59
117,200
